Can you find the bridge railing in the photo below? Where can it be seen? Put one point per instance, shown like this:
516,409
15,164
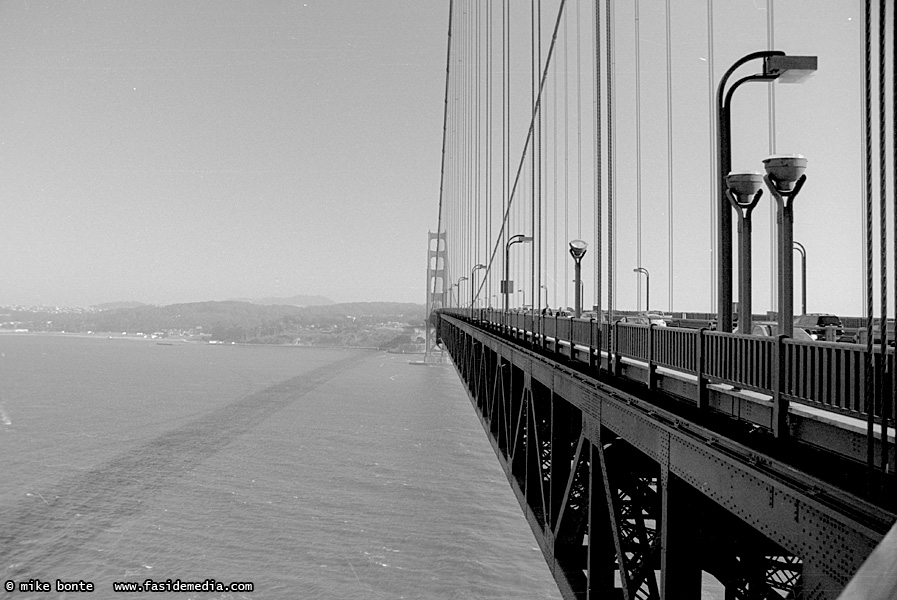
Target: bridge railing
827,375
743,361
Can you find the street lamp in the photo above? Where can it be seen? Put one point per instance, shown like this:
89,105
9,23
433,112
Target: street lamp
784,178
472,271
744,191
577,251
647,286
460,279
523,302
803,276
776,65
507,286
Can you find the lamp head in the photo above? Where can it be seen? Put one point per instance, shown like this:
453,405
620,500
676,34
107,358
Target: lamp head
785,170
744,186
578,249
789,69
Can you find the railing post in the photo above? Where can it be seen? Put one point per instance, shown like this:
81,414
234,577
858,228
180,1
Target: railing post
779,401
652,368
572,343
593,352
615,342
701,368
556,346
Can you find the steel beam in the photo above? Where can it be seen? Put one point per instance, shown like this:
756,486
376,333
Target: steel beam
632,484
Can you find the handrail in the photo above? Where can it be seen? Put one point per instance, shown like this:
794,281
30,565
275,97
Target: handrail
825,375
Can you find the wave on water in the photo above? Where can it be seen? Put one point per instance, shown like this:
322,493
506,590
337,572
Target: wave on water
4,417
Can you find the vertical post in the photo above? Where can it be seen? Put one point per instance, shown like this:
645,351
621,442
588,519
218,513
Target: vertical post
744,191
803,277
594,352
617,362
701,366
779,401
652,368
786,269
784,178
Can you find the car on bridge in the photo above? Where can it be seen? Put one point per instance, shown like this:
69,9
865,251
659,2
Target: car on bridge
655,319
818,324
771,329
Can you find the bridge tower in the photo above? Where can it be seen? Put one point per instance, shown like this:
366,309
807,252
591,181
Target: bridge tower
435,291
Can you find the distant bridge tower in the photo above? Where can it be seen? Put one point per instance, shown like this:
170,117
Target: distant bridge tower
435,287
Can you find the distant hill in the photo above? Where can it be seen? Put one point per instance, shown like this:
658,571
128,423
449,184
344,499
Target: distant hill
298,300
113,305
370,324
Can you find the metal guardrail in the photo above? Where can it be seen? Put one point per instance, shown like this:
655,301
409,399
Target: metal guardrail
827,375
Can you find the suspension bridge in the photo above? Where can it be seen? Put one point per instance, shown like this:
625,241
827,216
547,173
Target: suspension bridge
592,150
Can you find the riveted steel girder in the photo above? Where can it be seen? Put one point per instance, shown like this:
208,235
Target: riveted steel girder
618,491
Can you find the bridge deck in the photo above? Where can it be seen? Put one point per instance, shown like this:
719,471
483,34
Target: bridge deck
584,448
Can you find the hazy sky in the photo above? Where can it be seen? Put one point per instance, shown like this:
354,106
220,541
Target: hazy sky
663,218
172,151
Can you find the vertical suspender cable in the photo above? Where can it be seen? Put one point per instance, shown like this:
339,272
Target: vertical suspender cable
867,370
670,248
448,62
554,239
711,94
885,461
478,197
598,165
771,104
611,167
883,214
533,249
505,159
638,157
578,130
488,142
566,159
537,200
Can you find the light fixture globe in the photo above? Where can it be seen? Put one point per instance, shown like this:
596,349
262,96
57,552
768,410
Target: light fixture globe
578,249
744,185
785,170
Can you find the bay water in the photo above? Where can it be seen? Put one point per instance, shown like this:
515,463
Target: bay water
307,472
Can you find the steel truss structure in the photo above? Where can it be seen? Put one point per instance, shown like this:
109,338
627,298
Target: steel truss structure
627,501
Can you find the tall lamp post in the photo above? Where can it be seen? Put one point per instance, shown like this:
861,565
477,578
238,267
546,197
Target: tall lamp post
647,286
507,286
577,251
784,178
776,65
476,268
744,191
803,276
460,279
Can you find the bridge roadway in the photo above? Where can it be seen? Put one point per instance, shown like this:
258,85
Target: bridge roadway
647,457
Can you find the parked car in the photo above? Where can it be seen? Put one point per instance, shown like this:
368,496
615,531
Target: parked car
771,329
816,324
